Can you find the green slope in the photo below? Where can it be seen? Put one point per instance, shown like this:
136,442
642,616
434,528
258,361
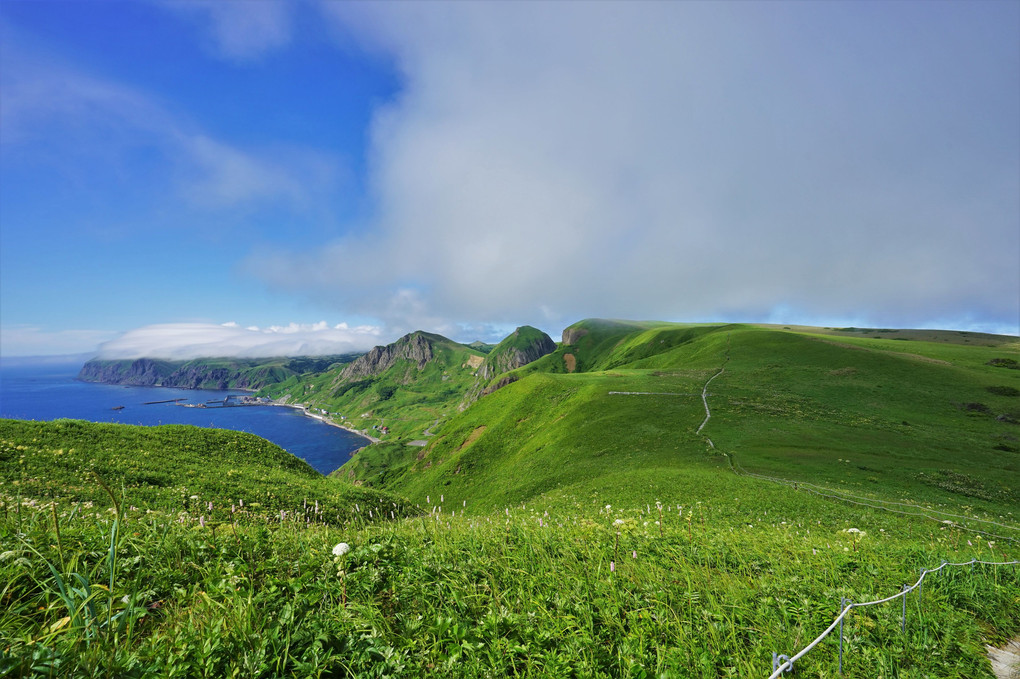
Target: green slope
930,420
171,467
407,387
567,530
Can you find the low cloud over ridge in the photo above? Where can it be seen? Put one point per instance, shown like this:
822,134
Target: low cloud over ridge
198,340
684,161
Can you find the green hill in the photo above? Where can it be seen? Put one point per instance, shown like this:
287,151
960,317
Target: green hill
170,468
574,522
936,419
406,386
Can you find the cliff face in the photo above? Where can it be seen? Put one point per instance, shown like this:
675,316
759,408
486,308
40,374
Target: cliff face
572,334
194,374
415,348
525,345
142,372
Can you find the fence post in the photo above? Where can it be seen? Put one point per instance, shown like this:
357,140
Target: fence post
842,604
903,627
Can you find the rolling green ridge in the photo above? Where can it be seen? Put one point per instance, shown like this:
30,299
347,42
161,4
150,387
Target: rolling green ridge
573,522
169,467
935,419
406,386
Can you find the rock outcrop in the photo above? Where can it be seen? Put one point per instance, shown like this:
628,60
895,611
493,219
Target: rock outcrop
415,347
572,334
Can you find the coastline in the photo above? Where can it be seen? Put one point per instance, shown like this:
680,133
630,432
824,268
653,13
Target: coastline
323,418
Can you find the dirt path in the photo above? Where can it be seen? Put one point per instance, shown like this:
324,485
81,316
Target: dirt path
704,399
1006,660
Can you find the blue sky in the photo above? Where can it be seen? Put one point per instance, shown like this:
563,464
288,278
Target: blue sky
193,176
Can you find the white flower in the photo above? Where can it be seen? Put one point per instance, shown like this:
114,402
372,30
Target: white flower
341,548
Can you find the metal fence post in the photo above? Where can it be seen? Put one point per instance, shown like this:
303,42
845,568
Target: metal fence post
842,604
903,627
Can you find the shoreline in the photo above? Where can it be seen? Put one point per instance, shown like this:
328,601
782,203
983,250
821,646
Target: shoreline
326,420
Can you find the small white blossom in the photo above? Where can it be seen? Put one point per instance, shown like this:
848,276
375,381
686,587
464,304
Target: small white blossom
341,548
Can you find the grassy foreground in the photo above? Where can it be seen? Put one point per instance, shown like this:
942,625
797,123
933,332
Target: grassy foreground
707,581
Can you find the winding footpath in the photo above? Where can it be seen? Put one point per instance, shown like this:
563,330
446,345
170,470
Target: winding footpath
704,399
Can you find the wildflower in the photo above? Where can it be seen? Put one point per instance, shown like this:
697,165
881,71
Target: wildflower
201,521
618,522
634,553
612,566
608,507
341,548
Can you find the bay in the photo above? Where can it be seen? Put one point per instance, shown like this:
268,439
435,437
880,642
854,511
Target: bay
49,391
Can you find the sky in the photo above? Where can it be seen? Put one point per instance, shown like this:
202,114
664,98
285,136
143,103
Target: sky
250,177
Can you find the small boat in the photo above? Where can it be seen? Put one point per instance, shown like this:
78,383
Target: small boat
117,408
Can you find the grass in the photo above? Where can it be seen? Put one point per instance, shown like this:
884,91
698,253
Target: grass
561,587
404,398
170,468
885,417
568,524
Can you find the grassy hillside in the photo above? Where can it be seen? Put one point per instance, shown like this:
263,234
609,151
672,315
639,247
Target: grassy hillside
406,397
935,420
704,578
171,468
572,523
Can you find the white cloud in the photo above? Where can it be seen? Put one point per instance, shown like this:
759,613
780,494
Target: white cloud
240,31
197,340
51,111
683,160
31,340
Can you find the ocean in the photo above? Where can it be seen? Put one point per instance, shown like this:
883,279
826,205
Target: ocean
49,391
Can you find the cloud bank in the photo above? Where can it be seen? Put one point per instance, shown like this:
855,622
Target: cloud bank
199,340
687,161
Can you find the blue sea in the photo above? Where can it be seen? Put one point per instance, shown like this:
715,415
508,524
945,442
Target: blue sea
49,391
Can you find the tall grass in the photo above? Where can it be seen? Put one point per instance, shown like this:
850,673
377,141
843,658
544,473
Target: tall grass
557,589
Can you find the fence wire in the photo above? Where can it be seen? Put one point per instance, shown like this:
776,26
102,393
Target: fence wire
787,665
783,663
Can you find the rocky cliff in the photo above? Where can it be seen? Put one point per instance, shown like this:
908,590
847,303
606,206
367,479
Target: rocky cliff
142,372
415,347
213,373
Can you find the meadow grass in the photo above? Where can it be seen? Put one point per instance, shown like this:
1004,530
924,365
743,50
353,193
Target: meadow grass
560,587
569,524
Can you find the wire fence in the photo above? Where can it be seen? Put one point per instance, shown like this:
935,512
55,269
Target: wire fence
782,664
